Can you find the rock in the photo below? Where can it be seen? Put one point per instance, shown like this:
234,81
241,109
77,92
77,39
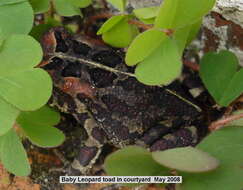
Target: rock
143,3
223,28
231,10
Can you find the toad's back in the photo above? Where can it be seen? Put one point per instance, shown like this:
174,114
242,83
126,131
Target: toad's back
94,79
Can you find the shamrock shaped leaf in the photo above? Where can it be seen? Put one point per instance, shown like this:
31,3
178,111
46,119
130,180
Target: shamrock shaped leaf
21,85
128,162
8,115
178,14
119,4
66,8
220,74
38,127
187,159
147,14
162,66
81,3
227,146
143,45
11,12
40,6
115,26
13,155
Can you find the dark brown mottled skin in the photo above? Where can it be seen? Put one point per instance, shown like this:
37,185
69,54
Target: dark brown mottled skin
113,107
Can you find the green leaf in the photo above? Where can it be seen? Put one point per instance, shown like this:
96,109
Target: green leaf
28,90
146,13
42,116
1,38
193,31
40,6
162,66
119,4
181,36
8,115
12,14
143,45
38,31
21,85
185,35
219,74
187,159
19,53
81,3
132,161
8,2
128,34
148,21
227,145
38,127
110,23
66,8
178,14
13,155
43,136
233,90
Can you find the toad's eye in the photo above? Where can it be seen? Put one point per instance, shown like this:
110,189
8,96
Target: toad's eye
73,69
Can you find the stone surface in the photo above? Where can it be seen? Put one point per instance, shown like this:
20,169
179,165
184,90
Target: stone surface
220,33
231,10
144,3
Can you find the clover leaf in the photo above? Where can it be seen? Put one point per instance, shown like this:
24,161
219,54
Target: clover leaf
13,155
21,85
162,66
147,14
116,25
66,8
143,45
10,14
81,3
178,14
119,4
38,127
8,115
187,159
40,6
128,162
227,146
220,74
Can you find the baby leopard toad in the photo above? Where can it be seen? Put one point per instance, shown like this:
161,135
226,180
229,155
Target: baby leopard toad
93,84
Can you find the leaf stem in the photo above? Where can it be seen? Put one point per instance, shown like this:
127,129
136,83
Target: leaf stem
224,121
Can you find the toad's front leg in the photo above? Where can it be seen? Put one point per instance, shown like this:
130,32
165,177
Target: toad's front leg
170,133
91,148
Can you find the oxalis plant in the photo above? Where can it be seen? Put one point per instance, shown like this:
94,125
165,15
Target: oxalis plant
215,163
24,88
